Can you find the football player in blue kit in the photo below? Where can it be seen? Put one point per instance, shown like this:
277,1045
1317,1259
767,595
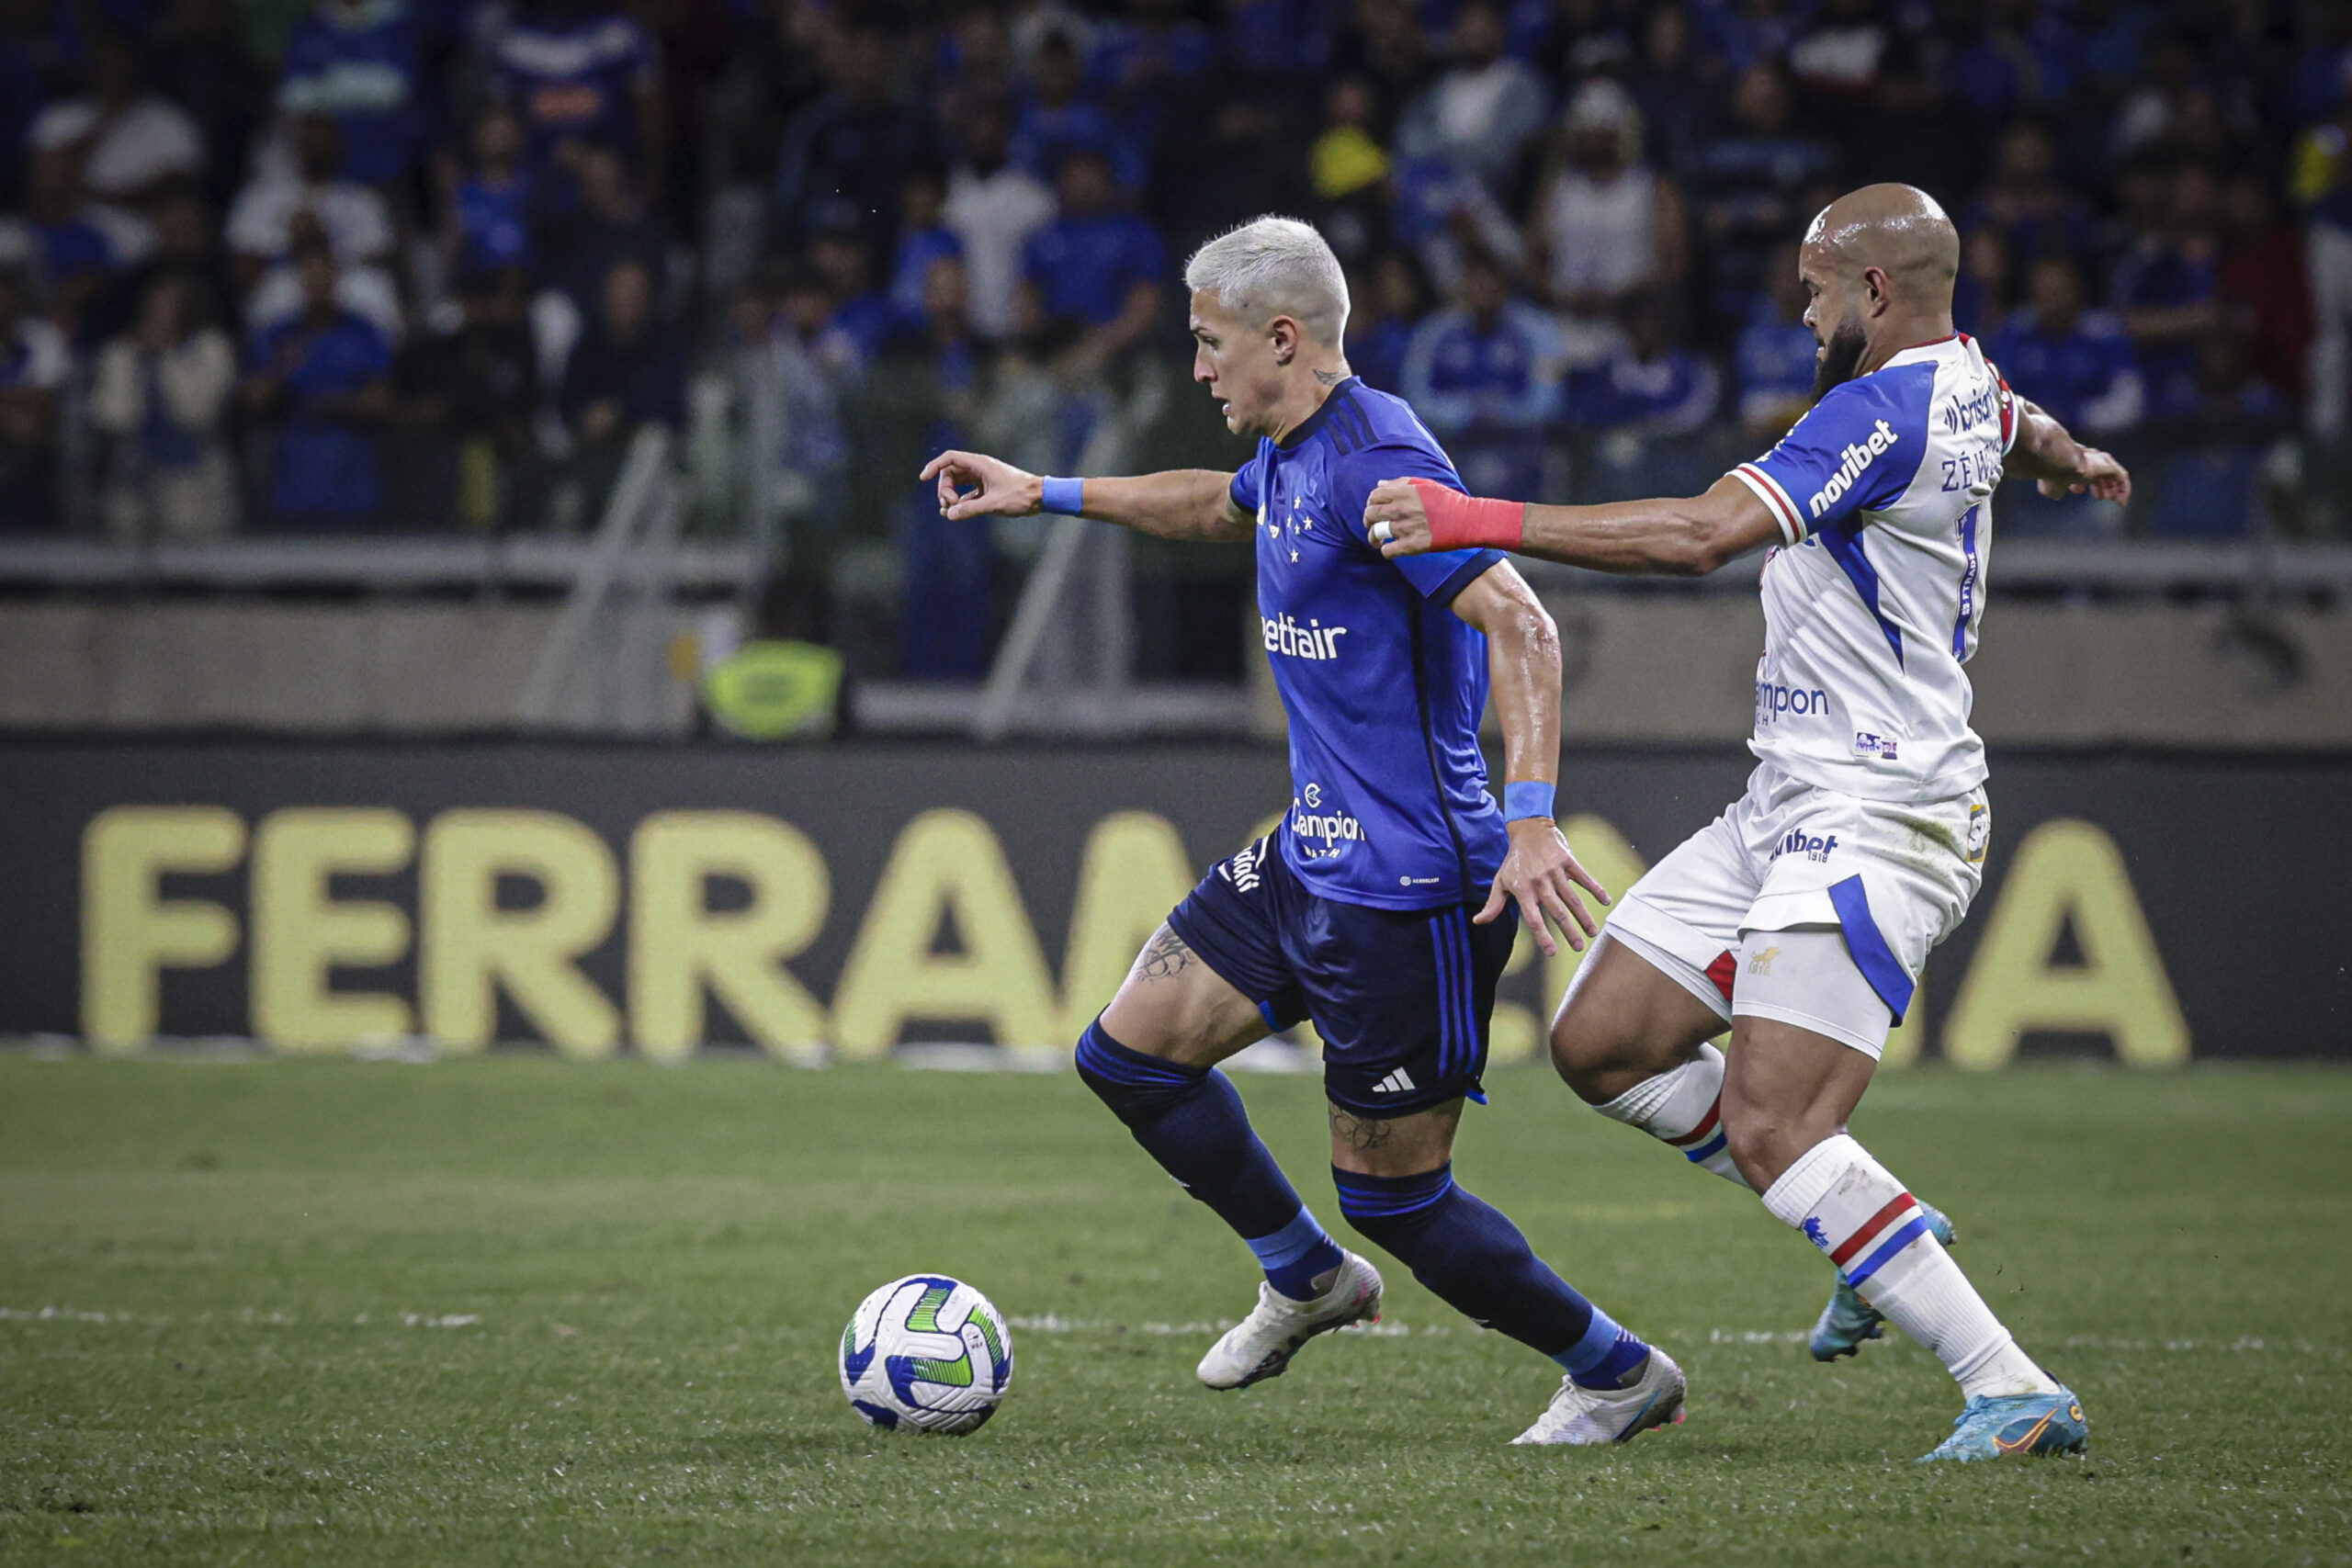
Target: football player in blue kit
1381,909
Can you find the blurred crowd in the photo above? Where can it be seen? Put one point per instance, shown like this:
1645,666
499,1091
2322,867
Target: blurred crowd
275,266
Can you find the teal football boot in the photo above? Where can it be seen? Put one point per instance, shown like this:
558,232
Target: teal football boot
1848,1320
2015,1424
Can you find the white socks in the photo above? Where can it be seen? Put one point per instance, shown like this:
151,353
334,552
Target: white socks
1684,1109
1872,1230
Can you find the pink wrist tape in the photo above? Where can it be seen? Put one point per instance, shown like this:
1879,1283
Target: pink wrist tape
1459,521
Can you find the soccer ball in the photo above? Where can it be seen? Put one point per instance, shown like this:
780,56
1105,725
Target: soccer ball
927,1352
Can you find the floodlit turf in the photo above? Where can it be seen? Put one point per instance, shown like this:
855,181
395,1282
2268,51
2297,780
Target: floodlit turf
515,1311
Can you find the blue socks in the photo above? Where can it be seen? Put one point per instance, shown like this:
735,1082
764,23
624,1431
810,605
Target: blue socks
1191,1120
1475,1259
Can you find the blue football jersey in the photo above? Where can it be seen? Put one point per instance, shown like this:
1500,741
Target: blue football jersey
1383,684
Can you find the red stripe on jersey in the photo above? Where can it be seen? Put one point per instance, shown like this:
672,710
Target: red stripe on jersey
1871,1228
1723,971
1706,1125
1790,521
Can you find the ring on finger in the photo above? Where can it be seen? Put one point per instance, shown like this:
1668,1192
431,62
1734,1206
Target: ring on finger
1382,534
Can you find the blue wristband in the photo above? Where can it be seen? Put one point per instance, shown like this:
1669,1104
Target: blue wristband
1065,496
1527,798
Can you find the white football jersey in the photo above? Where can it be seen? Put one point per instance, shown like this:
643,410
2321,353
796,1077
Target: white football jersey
1883,492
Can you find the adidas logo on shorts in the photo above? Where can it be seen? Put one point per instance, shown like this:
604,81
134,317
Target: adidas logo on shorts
1394,1083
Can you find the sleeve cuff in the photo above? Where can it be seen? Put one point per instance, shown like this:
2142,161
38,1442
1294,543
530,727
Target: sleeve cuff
1776,499
1462,576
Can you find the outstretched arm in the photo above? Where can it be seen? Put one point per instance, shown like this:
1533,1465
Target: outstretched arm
1683,539
2044,452
1523,662
1183,503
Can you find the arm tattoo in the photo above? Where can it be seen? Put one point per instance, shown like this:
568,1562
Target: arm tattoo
1360,1132
1164,957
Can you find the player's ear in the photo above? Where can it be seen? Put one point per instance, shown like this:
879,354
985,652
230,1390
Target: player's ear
1284,333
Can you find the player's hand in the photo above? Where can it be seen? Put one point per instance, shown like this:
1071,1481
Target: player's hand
973,485
2096,472
1395,519
1543,877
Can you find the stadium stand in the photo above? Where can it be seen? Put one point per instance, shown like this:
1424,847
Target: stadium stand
379,296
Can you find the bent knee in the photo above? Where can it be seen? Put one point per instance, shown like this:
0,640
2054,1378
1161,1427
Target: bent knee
1763,1145
1588,1061
1600,1058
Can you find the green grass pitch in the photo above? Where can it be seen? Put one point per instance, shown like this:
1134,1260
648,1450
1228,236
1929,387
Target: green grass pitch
515,1311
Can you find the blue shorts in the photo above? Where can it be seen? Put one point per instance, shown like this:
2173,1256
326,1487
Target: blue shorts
1401,998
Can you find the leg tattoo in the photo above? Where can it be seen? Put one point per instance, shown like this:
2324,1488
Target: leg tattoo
1164,957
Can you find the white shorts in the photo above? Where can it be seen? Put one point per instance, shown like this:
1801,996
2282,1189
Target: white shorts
1894,877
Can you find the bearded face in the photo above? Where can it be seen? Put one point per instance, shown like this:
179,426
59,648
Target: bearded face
1839,359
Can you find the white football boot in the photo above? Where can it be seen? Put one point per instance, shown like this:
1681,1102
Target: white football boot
1581,1415
1261,1345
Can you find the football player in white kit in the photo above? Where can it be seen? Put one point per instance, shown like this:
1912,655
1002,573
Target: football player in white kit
1802,915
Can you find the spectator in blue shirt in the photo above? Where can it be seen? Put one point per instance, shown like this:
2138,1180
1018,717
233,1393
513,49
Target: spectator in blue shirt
1483,375
1743,35
2218,395
847,151
923,237
1091,276
861,317
612,224
1985,291
491,213
1148,60
1278,40
2077,362
577,74
1652,387
2220,419
72,246
2114,36
362,63
2164,283
1775,353
1388,304
1679,104
1991,75
939,372
1751,186
2034,210
627,372
1482,113
1057,119
323,374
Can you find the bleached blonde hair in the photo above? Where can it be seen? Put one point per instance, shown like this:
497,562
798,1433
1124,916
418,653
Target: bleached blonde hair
1274,266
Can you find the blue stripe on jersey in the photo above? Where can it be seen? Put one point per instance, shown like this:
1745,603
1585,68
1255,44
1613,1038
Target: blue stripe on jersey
1441,951
1871,956
1857,450
1960,649
1464,998
1843,540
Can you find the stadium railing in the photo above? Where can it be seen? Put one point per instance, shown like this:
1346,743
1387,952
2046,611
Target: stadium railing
1093,633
